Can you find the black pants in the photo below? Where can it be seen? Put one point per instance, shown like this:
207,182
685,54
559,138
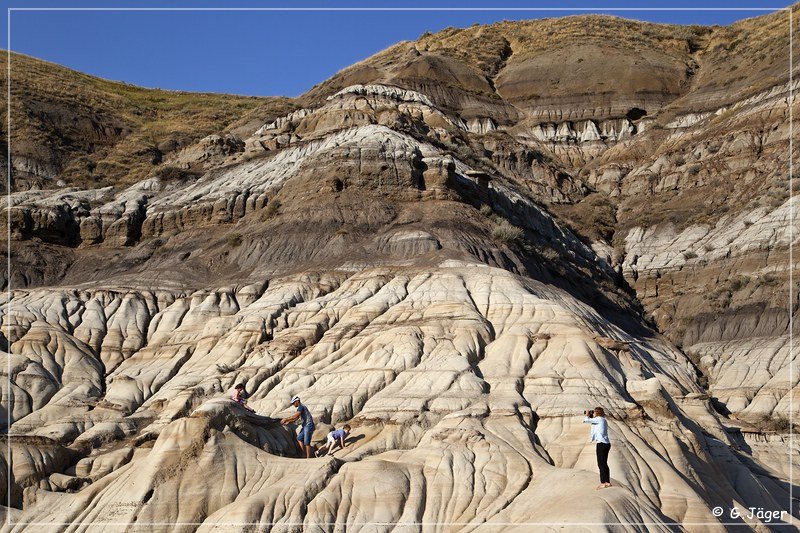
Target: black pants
602,461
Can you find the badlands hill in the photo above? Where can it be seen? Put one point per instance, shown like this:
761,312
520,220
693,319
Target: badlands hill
457,245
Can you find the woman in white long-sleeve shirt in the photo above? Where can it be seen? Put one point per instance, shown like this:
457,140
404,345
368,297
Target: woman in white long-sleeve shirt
600,435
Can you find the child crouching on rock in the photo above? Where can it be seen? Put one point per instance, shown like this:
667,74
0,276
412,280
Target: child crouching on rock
334,436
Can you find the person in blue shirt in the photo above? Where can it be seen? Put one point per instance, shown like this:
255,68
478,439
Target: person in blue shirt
307,425
334,436
600,435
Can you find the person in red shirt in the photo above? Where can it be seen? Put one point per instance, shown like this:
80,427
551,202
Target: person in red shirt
238,395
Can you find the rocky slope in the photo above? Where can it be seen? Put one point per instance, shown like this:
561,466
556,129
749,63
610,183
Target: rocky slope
74,129
456,245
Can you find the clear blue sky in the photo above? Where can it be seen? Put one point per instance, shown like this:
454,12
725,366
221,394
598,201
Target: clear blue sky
276,53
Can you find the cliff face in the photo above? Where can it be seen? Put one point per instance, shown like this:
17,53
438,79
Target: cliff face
456,245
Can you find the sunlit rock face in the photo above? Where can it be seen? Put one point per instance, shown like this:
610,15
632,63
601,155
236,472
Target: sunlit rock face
453,255
462,382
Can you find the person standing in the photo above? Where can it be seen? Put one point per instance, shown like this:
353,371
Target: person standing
599,433
307,425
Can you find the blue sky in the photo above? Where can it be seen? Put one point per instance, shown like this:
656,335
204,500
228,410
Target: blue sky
276,53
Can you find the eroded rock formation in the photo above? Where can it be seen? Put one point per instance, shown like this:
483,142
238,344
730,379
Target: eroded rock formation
453,255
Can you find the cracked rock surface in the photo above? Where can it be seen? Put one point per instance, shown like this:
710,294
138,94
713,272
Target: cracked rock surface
456,246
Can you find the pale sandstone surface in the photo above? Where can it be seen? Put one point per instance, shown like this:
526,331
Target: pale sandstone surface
464,384
454,254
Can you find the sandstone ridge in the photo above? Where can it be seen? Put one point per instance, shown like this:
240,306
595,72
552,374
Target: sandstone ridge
456,245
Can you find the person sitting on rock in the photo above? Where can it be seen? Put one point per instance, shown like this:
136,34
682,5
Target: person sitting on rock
334,436
238,395
599,434
307,423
